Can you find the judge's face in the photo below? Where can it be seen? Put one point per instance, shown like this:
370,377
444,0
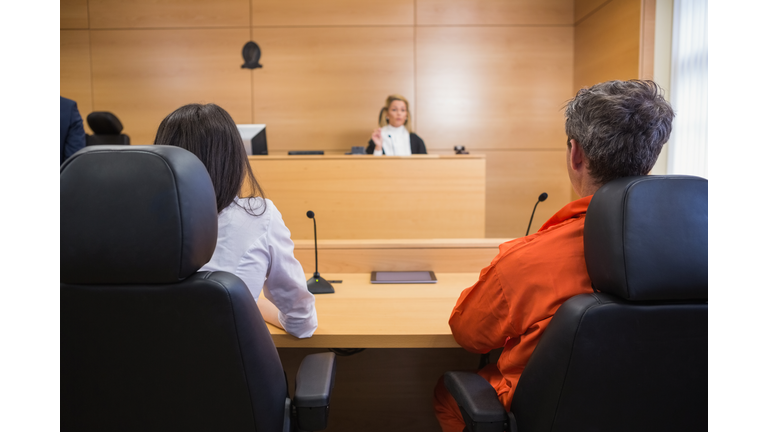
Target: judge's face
397,114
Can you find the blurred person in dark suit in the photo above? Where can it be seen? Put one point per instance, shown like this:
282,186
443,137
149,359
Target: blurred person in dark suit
71,129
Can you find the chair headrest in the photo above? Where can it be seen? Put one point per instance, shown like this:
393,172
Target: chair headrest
135,215
104,123
645,238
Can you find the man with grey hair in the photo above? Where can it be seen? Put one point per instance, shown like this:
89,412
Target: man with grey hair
615,129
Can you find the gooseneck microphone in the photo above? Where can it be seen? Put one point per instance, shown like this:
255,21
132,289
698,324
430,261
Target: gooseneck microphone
543,197
316,284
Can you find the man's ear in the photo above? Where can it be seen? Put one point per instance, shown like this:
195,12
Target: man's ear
576,156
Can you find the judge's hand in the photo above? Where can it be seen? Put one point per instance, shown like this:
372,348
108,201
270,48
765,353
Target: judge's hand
376,137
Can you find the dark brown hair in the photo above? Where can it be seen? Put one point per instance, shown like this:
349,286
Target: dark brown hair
621,125
209,133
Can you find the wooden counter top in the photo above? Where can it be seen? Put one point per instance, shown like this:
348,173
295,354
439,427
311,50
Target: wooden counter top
365,315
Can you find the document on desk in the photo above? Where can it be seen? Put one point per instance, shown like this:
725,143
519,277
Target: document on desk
402,277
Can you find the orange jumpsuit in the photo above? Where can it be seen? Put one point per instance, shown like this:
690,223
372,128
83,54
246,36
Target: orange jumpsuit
514,300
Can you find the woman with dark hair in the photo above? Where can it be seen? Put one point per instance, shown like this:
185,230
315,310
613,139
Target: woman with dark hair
394,136
253,242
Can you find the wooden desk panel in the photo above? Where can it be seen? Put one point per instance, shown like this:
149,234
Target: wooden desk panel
363,256
365,315
364,197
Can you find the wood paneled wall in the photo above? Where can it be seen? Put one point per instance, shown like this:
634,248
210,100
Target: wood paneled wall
490,75
613,41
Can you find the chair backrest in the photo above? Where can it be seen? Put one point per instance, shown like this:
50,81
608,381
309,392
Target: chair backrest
147,341
632,356
106,128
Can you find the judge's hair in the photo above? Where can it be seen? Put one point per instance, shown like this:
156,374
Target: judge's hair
209,133
383,121
621,125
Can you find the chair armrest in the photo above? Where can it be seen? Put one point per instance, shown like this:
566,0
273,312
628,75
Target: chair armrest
314,383
477,400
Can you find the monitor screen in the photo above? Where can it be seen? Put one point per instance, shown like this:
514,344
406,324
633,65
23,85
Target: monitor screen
254,138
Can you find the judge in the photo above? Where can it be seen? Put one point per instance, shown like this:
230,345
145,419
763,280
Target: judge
393,137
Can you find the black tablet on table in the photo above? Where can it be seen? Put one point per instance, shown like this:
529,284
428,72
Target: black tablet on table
403,277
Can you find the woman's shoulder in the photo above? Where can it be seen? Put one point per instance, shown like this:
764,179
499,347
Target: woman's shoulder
252,207
417,144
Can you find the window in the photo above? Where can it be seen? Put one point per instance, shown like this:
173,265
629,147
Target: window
689,77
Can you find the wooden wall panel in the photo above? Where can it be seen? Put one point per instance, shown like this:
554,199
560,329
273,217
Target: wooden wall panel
582,8
75,70
73,14
647,38
515,180
121,14
494,12
332,12
142,76
322,88
607,44
493,87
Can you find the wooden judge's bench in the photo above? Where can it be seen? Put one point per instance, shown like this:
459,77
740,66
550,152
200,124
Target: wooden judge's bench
369,197
423,212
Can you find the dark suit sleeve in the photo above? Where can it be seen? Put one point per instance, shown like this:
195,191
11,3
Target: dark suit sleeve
75,139
371,147
417,145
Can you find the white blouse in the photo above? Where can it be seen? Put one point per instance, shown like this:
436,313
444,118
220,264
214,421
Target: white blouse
395,141
259,250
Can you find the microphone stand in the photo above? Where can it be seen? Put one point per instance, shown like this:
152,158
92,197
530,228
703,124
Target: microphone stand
316,284
542,198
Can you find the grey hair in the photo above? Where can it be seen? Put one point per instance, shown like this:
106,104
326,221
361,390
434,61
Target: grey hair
621,125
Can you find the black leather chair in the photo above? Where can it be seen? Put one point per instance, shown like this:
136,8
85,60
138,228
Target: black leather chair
147,341
633,355
106,128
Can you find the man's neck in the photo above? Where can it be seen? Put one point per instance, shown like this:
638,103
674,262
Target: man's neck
588,190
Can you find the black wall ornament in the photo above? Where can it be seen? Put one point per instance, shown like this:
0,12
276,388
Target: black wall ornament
251,55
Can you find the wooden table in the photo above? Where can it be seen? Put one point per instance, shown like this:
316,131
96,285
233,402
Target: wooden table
365,315
403,327
407,343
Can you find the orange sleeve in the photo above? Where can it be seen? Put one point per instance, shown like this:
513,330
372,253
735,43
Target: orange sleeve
480,321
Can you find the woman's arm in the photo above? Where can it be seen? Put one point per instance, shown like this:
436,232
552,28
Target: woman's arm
286,285
269,312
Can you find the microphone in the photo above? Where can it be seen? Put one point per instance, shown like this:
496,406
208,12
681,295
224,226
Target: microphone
316,284
393,144
543,197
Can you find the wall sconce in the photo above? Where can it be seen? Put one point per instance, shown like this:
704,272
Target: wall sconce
251,55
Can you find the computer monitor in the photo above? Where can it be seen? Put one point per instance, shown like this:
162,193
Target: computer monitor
254,138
